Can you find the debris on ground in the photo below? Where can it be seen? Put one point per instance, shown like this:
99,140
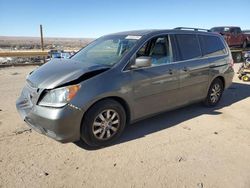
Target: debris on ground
44,174
200,185
22,130
180,159
15,73
215,132
38,144
187,128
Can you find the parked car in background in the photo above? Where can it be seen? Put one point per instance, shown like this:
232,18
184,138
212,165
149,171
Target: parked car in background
122,78
60,54
65,55
233,36
247,34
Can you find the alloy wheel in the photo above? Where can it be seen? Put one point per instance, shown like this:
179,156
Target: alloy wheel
215,93
106,124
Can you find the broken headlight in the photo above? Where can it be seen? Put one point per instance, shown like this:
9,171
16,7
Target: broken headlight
59,97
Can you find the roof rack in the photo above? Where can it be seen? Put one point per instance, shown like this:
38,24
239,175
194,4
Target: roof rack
194,29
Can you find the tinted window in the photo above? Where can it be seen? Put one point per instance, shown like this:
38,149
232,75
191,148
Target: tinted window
211,45
188,46
232,30
220,29
235,30
238,30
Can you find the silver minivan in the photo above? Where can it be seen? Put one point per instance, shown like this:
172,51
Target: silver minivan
122,78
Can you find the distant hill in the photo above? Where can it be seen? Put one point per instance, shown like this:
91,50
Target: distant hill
19,43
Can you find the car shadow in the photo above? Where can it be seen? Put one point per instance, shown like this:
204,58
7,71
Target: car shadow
236,92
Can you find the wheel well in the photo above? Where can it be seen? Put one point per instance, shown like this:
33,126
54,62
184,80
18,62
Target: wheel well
124,105
122,102
222,79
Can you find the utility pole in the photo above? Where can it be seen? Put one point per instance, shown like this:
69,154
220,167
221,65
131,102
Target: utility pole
42,45
41,32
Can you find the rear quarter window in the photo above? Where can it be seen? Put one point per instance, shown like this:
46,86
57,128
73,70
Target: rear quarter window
211,46
188,45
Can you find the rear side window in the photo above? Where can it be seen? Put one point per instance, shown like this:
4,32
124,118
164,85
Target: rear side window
188,45
211,45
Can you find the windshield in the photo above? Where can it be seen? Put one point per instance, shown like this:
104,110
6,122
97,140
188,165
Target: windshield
106,50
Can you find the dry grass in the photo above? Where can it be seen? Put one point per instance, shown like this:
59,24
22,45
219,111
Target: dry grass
23,53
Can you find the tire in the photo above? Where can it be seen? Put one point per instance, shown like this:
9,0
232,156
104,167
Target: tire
245,78
214,93
103,123
238,57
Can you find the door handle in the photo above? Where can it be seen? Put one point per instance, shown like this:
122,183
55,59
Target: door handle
185,69
212,66
170,71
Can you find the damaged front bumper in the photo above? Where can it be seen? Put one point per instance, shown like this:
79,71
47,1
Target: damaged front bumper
62,124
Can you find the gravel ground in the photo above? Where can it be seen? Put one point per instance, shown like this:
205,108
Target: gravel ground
191,147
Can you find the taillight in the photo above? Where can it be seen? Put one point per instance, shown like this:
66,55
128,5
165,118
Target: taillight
231,62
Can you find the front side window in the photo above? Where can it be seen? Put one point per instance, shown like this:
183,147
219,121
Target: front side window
159,49
106,50
188,45
211,45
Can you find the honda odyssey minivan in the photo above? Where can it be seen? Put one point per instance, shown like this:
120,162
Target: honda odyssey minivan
122,78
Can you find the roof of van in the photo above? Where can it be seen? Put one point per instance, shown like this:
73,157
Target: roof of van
226,26
158,31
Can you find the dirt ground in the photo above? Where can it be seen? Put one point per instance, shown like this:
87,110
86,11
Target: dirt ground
191,147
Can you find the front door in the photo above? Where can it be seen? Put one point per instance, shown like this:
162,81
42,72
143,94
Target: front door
155,88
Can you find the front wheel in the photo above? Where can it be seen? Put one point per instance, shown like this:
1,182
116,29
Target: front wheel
214,93
103,123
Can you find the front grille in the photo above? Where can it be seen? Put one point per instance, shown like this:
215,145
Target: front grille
31,92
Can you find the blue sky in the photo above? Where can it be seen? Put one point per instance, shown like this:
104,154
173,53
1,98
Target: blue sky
94,18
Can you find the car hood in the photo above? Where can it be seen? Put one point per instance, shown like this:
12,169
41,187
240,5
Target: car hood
59,72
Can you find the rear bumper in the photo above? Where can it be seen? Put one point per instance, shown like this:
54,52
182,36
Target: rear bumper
61,124
229,77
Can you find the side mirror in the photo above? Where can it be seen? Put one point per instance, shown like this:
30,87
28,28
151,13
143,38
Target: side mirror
142,61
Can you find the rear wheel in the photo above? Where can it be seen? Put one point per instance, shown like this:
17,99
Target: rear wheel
103,123
214,93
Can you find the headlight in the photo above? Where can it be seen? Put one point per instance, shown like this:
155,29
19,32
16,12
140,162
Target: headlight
59,97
